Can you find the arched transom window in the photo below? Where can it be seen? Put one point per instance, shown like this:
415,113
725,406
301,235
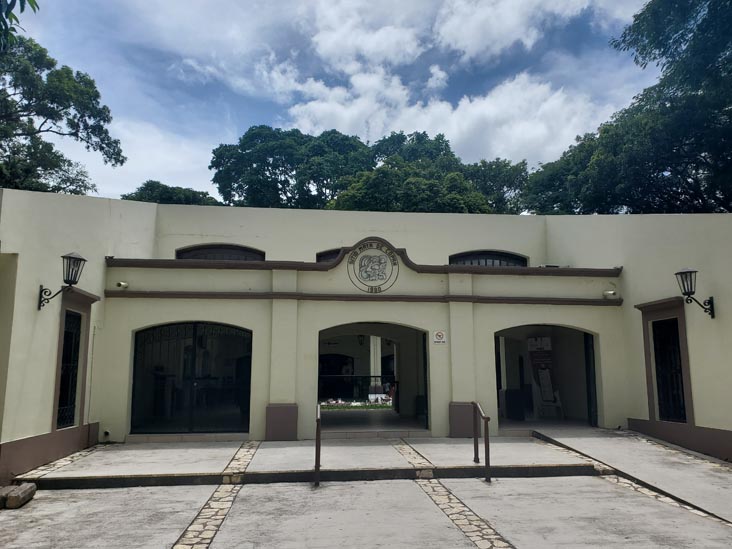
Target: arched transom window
230,252
488,258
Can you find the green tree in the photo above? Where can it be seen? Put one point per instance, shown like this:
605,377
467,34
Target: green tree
400,186
9,22
38,99
261,169
275,168
155,191
671,149
500,181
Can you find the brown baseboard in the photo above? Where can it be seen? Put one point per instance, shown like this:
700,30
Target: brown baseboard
20,456
281,422
713,442
461,419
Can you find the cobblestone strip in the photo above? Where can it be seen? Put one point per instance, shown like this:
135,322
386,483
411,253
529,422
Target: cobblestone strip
621,481
415,459
38,472
203,528
241,460
475,528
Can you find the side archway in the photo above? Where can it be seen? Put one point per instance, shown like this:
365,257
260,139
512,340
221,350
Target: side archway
191,377
546,372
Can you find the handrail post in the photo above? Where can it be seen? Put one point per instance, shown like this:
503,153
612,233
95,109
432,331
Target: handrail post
316,472
476,433
486,420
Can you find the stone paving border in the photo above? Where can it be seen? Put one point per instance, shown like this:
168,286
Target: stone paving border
204,527
475,528
54,466
415,459
627,483
241,460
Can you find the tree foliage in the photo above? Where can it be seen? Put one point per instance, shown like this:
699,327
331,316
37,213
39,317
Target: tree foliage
9,22
155,191
38,99
671,149
401,172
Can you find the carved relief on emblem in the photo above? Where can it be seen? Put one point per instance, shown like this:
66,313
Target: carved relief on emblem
373,266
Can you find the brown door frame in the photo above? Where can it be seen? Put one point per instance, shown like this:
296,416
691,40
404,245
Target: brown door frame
79,302
661,310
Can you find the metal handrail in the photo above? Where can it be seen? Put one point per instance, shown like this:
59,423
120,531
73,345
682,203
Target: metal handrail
316,472
478,411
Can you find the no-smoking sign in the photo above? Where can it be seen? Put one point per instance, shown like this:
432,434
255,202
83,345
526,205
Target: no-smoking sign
439,337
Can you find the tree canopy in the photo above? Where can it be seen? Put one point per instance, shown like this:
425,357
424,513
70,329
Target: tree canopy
38,98
271,167
155,191
671,149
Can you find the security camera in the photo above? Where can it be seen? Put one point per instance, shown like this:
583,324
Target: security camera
122,285
608,294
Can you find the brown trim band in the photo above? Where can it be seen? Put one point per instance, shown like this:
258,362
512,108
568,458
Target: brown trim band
327,266
659,304
713,442
20,456
365,298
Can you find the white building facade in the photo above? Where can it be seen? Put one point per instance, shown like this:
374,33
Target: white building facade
215,322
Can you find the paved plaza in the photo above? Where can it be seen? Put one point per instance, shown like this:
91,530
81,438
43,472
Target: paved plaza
635,504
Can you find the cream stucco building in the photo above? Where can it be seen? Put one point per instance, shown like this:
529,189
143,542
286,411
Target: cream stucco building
217,322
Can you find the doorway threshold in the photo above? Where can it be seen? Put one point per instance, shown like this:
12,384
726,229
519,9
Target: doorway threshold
417,433
187,437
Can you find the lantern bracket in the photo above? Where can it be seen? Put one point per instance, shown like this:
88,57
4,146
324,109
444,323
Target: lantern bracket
707,305
44,295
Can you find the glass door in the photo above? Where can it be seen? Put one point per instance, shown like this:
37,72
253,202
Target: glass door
191,377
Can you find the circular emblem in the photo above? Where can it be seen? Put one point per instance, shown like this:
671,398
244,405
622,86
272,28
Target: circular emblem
373,267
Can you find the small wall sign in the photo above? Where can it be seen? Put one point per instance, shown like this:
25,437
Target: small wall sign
439,337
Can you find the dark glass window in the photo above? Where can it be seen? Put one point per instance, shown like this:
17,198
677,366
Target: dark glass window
669,378
66,413
191,377
488,259
327,255
224,252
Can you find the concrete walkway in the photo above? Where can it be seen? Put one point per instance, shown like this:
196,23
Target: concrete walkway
152,464
704,483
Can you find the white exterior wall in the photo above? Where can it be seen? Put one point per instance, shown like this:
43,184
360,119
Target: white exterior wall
39,228
651,248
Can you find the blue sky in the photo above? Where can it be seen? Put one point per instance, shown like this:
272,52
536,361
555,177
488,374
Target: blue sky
517,79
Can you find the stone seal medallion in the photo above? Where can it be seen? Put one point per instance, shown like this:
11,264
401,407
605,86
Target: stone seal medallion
373,266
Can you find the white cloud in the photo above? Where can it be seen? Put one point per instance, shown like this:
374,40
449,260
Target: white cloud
153,153
482,29
437,80
336,64
525,117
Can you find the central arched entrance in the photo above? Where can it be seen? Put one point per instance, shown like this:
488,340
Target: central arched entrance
191,377
373,376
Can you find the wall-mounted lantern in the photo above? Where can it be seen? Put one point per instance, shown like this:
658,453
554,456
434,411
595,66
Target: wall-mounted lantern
73,264
687,282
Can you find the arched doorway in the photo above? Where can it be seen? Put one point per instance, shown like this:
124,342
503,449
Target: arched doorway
191,377
373,376
546,373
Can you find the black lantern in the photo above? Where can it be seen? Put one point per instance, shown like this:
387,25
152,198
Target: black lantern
687,283
73,264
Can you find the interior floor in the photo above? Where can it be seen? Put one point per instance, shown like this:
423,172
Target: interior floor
368,420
